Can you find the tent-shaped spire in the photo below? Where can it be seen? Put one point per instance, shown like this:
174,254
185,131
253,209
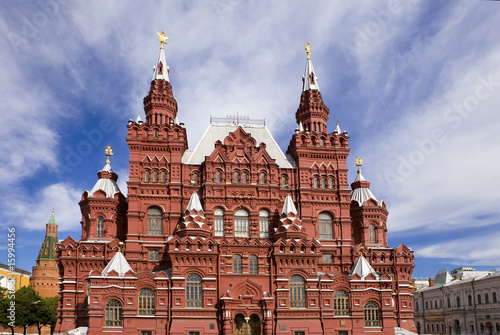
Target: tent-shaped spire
337,128
161,68
107,178
289,206
119,264
310,81
48,249
194,203
363,269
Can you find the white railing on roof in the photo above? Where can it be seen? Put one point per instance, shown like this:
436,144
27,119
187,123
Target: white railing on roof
238,120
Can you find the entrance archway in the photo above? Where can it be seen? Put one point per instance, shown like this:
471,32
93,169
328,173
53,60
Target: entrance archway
247,325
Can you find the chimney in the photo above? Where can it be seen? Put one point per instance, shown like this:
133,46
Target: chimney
431,281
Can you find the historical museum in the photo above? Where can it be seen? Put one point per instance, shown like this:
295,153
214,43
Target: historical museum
234,236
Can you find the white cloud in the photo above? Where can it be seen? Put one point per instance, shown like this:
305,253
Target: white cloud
32,211
478,250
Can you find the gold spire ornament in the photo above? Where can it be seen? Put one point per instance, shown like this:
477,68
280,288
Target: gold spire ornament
162,38
308,50
358,162
108,153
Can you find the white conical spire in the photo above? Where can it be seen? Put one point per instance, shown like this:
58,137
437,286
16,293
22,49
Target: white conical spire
194,203
301,126
138,119
119,264
337,129
310,81
363,268
161,68
288,206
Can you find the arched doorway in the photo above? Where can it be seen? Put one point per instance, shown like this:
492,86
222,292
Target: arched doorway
456,325
247,325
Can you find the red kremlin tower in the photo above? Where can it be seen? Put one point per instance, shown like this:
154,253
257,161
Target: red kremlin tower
234,236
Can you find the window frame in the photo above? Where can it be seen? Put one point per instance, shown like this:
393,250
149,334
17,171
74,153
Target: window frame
194,292
297,291
154,222
113,315
146,302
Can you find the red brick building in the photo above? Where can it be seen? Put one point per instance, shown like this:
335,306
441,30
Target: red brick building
234,236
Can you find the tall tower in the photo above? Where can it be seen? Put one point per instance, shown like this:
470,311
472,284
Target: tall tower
312,113
46,273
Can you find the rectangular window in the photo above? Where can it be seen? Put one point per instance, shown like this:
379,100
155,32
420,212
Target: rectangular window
486,298
194,333
479,299
494,296
343,332
299,333
327,258
147,332
154,255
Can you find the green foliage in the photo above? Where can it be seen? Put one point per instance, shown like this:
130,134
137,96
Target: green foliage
30,309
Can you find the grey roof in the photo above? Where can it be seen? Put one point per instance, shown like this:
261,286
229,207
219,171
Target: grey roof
109,186
219,132
363,194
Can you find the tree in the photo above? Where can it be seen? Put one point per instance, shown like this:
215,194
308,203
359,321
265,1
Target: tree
46,313
19,309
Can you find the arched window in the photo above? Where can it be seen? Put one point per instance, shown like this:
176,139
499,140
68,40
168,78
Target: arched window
469,298
237,264
193,290
244,177
341,303
219,222
372,316
146,302
146,176
284,182
325,226
218,176
323,182
315,182
262,178
113,313
163,177
330,183
486,298
100,226
155,176
297,292
236,177
371,233
241,223
494,297
253,265
154,222
458,302
196,179
264,224
448,302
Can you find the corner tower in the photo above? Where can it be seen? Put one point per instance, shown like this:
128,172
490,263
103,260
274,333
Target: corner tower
46,272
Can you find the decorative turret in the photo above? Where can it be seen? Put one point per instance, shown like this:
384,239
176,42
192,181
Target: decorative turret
104,206
160,105
312,112
290,225
364,270
194,222
369,214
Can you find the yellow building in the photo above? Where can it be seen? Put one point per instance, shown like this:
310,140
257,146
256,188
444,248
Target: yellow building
21,277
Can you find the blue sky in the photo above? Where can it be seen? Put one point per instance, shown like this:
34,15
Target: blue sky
415,83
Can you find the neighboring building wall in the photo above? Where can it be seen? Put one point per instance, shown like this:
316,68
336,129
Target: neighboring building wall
20,277
460,306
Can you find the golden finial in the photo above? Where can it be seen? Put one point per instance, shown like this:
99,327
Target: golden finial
358,162
108,153
162,38
308,50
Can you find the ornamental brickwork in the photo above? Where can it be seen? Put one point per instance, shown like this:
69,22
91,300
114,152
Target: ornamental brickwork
234,236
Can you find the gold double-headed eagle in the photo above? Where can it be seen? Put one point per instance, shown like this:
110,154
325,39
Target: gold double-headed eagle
308,50
162,38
